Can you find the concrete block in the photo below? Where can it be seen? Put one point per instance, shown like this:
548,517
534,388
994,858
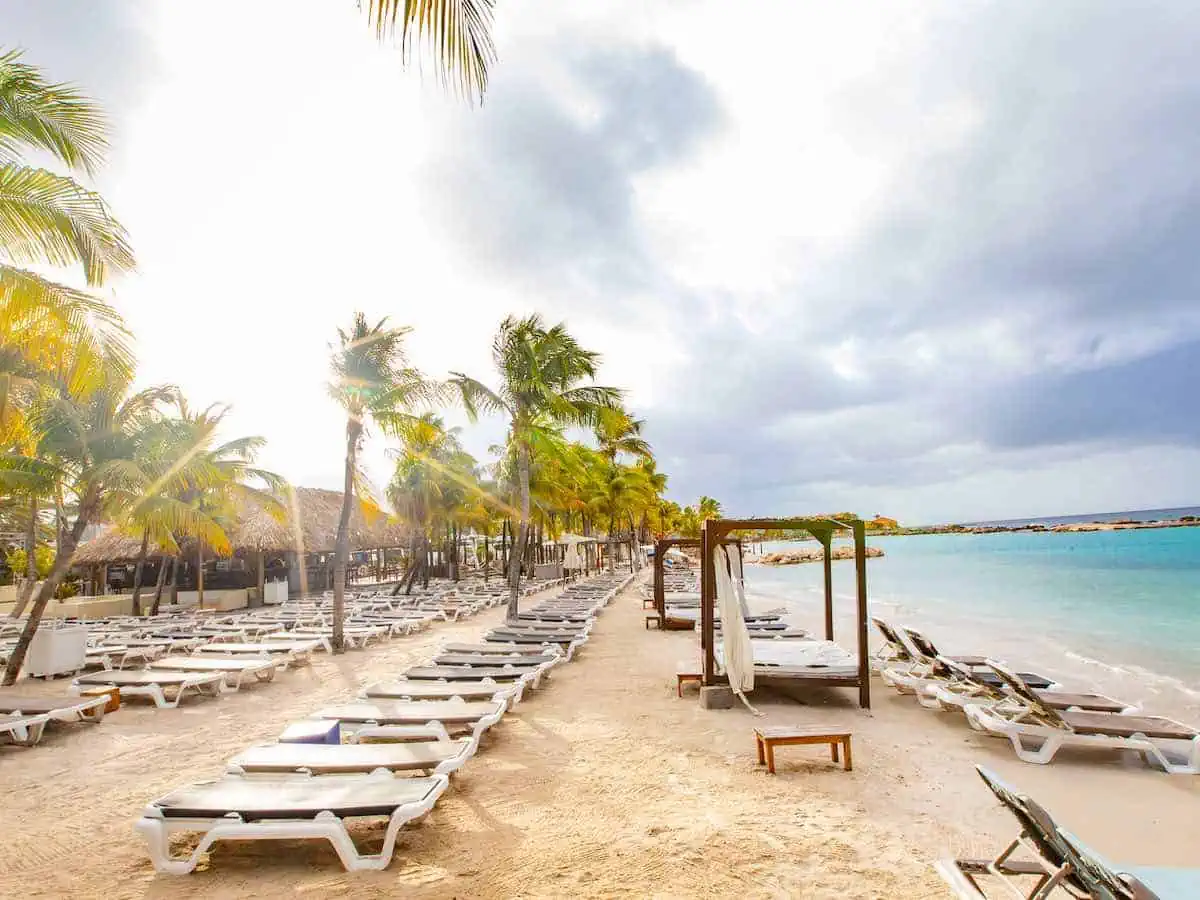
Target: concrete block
716,696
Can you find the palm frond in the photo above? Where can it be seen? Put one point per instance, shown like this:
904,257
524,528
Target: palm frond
50,219
476,396
457,32
56,118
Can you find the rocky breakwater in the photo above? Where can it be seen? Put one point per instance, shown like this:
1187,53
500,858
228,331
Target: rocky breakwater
810,555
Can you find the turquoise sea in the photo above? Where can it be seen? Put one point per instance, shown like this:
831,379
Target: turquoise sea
1117,611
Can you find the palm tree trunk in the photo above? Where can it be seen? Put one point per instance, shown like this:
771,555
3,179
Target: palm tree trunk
137,573
62,563
200,574
341,549
612,543
30,560
514,563
158,584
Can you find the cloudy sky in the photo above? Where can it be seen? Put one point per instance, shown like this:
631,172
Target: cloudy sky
924,259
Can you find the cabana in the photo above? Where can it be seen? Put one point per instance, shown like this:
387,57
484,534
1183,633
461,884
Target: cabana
661,547
715,531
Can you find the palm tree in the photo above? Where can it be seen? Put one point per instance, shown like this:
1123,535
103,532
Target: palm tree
48,219
88,444
189,486
618,432
708,508
421,488
542,373
371,382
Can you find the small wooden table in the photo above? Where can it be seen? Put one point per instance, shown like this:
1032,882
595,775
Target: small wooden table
767,739
653,620
683,676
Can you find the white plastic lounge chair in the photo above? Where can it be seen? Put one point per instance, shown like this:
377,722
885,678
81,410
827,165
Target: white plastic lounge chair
22,731
969,688
497,648
1173,746
438,757
153,683
373,718
290,653
236,669
291,807
1053,859
484,689
925,670
59,709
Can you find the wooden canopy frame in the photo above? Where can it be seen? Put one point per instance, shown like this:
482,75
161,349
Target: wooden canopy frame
661,546
715,531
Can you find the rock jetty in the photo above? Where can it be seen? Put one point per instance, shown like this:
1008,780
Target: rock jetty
809,555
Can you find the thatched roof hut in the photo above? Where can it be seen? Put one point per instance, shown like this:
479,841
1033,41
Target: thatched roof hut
111,546
311,524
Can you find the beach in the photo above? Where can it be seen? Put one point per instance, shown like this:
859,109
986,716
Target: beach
602,783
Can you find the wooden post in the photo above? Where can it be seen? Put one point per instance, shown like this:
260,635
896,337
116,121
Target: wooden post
262,579
860,567
828,586
660,593
708,575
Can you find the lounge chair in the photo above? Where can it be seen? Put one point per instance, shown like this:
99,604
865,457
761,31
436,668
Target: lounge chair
153,683
371,719
294,653
235,669
439,757
499,673
969,688
291,807
517,660
926,671
1054,858
22,731
59,709
501,649
1174,746
484,689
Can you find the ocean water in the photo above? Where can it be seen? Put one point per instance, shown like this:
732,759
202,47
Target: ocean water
1115,611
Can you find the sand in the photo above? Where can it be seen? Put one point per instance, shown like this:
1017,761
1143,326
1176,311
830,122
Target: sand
603,783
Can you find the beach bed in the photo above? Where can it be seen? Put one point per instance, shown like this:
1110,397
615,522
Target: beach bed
153,683
371,719
440,757
287,807
235,669
483,689
59,709
22,731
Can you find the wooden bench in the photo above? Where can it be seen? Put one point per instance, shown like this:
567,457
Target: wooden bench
767,739
683,676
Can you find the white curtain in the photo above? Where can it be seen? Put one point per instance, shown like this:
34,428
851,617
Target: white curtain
739,585
735,637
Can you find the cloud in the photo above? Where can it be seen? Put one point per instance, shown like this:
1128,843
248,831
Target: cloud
935,262
540,184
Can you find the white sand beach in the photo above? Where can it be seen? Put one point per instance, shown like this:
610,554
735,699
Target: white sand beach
603,783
